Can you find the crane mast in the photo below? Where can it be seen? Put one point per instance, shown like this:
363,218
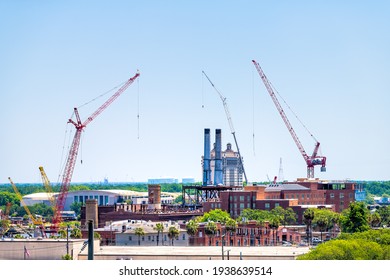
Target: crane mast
72,156
312,160
223,98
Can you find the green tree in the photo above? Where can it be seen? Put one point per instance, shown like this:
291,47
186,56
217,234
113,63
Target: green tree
286,216
216,215
210,230
192,227
76,207
374,219
230,227
274,224
357,249
308,217
173,233
139,231
75,233
384,213
159,228
355,218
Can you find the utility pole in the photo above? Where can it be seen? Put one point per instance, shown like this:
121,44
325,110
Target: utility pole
67,240
90,239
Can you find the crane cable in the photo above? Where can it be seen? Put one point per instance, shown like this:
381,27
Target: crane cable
138,108
296,116
253,113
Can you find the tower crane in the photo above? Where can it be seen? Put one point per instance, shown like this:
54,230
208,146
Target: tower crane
35,221
223,99
311,160
71,160
49,190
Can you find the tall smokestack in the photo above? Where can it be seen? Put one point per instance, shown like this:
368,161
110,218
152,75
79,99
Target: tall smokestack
218,176
206,158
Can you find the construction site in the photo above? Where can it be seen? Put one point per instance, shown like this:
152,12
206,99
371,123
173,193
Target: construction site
115,214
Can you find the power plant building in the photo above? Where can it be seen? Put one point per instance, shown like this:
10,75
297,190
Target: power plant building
220,167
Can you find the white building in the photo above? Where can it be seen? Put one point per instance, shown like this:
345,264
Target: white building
125,233
103,197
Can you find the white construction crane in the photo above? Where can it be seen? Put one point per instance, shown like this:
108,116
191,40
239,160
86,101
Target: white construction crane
223,98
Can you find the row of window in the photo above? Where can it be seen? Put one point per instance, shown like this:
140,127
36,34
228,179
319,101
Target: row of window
102,199
151,237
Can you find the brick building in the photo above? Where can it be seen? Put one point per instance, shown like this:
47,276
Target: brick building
298,195
246,234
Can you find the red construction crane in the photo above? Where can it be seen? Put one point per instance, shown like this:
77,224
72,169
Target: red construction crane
70,163
312,160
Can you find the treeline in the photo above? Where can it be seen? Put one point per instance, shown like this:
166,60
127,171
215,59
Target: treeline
377,188
25,189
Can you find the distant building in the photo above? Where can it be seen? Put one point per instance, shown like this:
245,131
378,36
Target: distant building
103,197
187,180
163,181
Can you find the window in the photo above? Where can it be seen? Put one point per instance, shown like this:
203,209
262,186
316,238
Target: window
149,238
130,238
303,196
241,198
184,236
267,206
242,205
331,195
286,195
76,198
276,204
341,195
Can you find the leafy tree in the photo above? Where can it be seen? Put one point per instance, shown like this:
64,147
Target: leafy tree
139,231
366,245
384,213
286,216
216,215
173,233
192,227
374,219
358,249
274,224
308,217
160,228
6,196
76,207
210,230
75,233
355,218
230,227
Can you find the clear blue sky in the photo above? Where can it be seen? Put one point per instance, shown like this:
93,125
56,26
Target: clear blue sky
329,60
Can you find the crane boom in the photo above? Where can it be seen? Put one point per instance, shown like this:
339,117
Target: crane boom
223,98
35,221
48,188
312,160
71,160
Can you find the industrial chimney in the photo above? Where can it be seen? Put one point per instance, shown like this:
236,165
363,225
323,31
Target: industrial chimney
218,174
206,158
